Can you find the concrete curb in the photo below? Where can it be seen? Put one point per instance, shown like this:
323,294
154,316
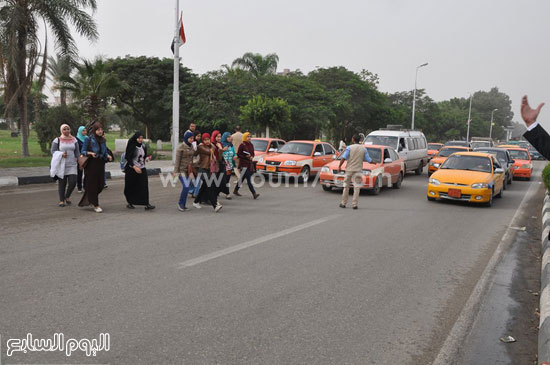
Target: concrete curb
544,326
7,181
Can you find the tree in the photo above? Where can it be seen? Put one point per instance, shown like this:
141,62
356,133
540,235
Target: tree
93,86
47,129
59,69
19,44
263,112
257,64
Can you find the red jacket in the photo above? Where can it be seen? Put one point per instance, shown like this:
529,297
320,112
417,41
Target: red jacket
245,159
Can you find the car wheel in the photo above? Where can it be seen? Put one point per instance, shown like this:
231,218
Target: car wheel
499,195
490,202
504,183
510,179
327,188
419,169
528,178
397,184
304,174
376,189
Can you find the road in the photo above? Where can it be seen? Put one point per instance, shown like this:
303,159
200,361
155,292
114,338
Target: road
288,278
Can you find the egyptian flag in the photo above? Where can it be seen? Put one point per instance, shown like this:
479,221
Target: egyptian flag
182,34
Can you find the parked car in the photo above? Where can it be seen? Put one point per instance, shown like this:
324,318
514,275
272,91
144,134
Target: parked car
506,161
266,145
442,156
523,167
410,145
433,149
300,159
387,168
468,176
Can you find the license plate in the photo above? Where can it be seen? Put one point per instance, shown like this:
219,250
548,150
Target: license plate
455,193
271,168
340,178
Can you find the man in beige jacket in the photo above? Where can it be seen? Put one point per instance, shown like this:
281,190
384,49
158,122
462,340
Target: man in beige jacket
237,140
354,155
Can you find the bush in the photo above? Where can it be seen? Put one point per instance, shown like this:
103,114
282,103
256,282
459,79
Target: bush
546,177
47,129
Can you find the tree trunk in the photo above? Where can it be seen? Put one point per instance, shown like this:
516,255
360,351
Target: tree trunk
24,125
63,97
36,101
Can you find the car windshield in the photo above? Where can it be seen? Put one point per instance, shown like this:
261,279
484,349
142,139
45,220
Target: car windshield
519,155
297,148
434,146
457,143
374,153
382,141
501,155
259,145
470,163
446,152
477,144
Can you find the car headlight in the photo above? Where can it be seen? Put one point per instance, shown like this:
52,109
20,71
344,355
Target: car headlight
434,182
436,164
527,166
325,169
261,160
366,172
480,186
290,163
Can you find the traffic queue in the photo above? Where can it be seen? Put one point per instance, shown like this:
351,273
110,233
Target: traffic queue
475,172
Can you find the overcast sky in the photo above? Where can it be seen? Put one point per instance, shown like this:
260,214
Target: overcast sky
470,44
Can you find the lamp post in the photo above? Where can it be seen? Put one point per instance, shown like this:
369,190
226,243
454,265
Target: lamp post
469,118
414,93
491,127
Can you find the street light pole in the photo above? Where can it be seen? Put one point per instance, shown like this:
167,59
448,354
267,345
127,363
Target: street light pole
469,119
491,127
414,92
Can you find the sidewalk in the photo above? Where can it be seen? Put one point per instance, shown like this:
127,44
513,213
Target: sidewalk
39,175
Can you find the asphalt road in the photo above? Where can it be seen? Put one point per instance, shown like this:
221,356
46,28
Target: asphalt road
289,278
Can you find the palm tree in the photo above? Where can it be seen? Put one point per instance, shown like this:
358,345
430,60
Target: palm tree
92,86
19,45
257,64
60,68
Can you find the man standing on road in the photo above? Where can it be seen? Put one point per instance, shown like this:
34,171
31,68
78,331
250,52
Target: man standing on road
192,128
536,135
354,155
237,139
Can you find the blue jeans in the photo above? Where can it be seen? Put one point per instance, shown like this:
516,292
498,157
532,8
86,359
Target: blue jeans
185,182
195,186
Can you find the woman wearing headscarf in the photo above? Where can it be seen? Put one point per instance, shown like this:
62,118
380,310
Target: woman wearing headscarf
95,148
136,185
246,156
220,181
194,188
229,157
183,167
68,149
208,188
80,137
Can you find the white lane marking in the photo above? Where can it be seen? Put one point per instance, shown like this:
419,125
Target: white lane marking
456,337
254,242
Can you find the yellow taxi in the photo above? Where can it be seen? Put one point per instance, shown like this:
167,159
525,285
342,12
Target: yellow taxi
468,176
442,156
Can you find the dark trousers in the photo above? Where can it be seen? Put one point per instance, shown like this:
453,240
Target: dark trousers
208,188
79,178
245,174
64,190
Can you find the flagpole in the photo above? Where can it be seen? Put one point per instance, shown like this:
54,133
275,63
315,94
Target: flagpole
176,94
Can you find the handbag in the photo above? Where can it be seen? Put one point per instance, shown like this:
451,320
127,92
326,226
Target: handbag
83,161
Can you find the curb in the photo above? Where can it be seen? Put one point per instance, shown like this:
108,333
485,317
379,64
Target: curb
7,181
544,326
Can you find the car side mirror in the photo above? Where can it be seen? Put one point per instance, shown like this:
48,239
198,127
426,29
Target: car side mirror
317,154
499,171
388,160
334,157
512,161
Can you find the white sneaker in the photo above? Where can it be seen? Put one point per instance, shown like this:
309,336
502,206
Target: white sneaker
98,210
228,197
197,205
218,208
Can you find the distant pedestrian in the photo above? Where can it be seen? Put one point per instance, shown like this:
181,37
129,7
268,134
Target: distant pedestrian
208,188
220,175
229,155
194,188
246,165
237,139
192,128
354,155
184,169
136,185
96,149
66,147
80,137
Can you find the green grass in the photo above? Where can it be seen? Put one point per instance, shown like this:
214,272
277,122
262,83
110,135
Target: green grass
10,150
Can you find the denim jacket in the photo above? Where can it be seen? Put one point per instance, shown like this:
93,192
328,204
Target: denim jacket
92,145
